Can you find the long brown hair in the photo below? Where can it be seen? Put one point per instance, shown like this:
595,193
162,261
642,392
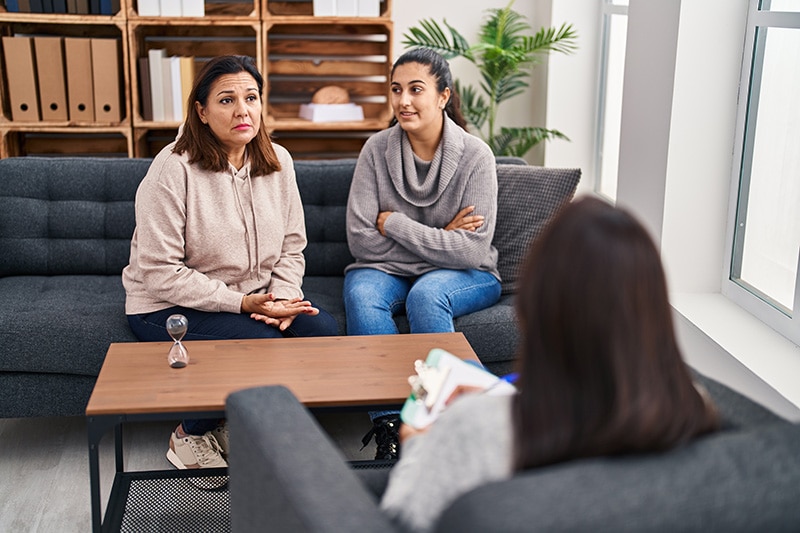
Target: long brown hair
600,368
197,139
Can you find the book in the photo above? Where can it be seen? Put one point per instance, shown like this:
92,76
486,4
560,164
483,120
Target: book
187,81
193,8
155,57
369,8
12,6
175,83
149,8
170,8
435,380
145,98
346,8
324,8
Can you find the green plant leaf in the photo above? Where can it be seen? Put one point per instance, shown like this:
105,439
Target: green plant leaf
431,35
519,141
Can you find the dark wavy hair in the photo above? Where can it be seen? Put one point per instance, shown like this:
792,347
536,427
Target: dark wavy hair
439,68
197,138
600,368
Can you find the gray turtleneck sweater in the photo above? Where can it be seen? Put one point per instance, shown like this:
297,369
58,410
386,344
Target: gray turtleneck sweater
205,239
424,197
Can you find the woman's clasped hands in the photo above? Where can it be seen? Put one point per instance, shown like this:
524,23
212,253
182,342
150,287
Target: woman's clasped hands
276,312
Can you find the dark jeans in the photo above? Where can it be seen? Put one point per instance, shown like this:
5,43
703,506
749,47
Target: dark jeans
151,327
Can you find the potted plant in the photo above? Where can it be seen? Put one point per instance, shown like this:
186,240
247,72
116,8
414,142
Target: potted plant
505,54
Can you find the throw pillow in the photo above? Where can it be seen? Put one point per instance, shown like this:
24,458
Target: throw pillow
527,198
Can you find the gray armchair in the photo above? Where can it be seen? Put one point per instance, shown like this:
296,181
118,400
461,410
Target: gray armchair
287,475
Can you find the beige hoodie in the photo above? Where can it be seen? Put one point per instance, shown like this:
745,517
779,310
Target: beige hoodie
205,239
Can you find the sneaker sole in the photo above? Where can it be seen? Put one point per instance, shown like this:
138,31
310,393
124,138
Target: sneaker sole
201,482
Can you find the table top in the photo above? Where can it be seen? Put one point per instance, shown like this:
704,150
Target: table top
343,371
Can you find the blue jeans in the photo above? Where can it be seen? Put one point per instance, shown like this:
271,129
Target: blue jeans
431,301
220,326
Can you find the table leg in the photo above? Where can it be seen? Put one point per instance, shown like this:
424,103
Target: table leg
97,426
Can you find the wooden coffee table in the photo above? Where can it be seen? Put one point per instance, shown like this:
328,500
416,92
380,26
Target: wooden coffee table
353,372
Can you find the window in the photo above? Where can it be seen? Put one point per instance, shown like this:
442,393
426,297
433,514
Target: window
615,23
765,248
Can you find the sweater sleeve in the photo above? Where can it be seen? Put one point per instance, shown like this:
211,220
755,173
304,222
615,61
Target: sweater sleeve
455,249
467,446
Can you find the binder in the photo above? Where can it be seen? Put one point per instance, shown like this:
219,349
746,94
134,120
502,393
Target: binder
37,6
51,78
72,6
21,74
24,6
80,93
155,57
82,7
106,80
12,6
59,6
106,8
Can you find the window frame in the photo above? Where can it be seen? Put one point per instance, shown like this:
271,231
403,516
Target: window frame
609,9
751,299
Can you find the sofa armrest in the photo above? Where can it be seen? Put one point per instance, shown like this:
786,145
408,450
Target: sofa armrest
285,473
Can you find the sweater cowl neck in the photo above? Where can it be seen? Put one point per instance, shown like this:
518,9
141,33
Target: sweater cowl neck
423,191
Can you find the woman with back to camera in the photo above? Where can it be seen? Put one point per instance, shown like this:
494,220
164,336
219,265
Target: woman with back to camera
600,371
219,237
420,217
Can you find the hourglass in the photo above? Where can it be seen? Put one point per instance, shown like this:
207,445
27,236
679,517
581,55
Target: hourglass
176,327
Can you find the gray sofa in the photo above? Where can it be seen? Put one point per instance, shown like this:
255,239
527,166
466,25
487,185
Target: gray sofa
746,478
65,228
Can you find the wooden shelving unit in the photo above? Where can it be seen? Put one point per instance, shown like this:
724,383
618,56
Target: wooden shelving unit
296,52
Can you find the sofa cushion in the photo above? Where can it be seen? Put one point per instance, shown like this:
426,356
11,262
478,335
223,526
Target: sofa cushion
60,324
729,481
527,198
67,215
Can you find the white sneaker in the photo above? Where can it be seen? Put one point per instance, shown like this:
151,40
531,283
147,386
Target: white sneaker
195,451
222,436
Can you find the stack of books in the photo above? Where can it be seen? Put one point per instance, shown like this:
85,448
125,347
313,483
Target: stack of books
165,83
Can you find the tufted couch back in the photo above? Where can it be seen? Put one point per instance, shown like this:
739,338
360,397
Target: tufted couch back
75,215
67,215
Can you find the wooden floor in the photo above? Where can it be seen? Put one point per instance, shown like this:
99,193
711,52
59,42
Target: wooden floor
44,466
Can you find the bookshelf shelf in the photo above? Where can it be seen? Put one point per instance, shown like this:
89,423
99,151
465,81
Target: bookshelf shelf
297,52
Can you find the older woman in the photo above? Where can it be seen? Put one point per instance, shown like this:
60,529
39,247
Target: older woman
219,237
